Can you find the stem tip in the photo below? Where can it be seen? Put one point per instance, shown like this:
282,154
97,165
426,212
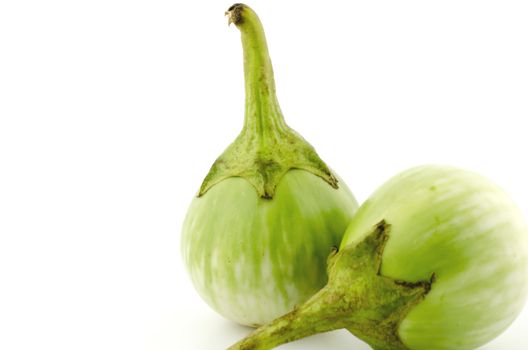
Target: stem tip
234,14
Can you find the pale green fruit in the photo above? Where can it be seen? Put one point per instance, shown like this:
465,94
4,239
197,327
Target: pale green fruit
435,259
256,238
254,259
467,231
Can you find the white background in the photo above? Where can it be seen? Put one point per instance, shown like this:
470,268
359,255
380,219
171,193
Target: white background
111,113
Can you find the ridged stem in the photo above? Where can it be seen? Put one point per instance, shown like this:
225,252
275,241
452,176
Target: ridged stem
357,297
311,318
267,148
262,112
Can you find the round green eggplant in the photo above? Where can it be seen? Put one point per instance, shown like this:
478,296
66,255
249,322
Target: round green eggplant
256,238
435,259
254,259
469,233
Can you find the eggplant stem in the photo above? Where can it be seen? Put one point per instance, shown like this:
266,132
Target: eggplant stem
309,319
357,298
267,148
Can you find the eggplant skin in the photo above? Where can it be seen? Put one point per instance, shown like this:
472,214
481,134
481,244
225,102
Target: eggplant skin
253,259
468,232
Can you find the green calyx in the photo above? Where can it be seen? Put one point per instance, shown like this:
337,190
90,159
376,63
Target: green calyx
266,148
357,298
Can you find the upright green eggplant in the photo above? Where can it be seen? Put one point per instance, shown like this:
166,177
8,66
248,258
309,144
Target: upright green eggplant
256,238
435,259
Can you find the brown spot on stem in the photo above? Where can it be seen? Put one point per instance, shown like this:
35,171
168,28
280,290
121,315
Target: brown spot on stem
234,13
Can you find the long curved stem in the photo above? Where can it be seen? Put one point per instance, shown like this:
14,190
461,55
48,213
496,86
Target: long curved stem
266,149
262,107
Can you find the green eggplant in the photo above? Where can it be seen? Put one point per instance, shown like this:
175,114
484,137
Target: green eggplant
435,259
256,238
